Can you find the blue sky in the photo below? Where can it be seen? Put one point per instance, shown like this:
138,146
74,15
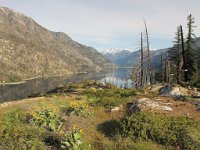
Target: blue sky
106,24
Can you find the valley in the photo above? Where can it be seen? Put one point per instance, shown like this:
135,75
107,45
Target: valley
59,93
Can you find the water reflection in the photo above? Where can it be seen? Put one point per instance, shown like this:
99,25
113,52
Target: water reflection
118,77
15,91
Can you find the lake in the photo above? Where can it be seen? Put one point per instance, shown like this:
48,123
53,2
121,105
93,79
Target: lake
40,86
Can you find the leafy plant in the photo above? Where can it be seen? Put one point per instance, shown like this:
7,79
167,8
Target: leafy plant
47,118
167,131
73,139
79,108
16,133
108,97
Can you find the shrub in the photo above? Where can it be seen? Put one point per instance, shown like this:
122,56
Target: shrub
79,108
167,131
73,139
47,118
15,133
108,97
163,130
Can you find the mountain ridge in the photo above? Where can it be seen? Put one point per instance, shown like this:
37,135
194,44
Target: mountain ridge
128,59
27,50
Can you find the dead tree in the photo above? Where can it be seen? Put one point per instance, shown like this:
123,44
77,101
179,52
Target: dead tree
167,70
184,57
149,73
141,63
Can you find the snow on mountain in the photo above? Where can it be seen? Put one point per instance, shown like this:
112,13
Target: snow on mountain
126,57
115,51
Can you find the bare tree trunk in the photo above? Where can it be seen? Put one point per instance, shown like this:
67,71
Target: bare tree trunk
142,63
162,68
183,55
149,73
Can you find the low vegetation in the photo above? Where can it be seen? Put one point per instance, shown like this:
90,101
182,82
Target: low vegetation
166,131
108,98
67,122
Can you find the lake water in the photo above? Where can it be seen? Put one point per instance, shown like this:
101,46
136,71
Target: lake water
27,88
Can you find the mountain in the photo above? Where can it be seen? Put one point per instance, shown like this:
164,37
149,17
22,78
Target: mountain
27,50
117,55
129,58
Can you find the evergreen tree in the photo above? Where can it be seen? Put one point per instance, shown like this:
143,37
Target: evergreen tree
190,51
196,76
175,55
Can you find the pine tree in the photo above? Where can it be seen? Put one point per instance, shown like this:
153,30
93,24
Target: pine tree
175,55
196,76
190,51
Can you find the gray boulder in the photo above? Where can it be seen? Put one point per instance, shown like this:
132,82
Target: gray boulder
146,104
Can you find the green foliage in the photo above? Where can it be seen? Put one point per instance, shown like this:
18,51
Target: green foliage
167,131
128,144
163,130
47,118
79,108
72,140
175,55
72,86
15,133
190,44
108,97
195,81
96,84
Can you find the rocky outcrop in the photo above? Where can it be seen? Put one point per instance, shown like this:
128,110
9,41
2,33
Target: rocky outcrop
178,92
116,109
147,104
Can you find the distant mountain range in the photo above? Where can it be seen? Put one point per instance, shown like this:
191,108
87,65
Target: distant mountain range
28,50
128,58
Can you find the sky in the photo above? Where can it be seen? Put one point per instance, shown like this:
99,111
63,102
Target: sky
105,24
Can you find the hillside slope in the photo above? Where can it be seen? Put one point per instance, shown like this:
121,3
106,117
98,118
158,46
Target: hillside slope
28,50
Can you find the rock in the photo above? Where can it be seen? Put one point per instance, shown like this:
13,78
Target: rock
155,88
178,92
118,108
146,104
132,108
5,104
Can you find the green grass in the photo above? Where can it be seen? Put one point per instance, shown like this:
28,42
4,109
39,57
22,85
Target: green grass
16,133
167,131
101,130
108,98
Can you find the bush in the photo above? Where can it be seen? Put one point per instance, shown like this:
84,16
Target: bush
108,97
196,80
47,118
15,133
167,131
79,108
163,130
72,140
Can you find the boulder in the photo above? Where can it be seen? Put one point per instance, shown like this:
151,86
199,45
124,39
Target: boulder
178,91
118,108
147,104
